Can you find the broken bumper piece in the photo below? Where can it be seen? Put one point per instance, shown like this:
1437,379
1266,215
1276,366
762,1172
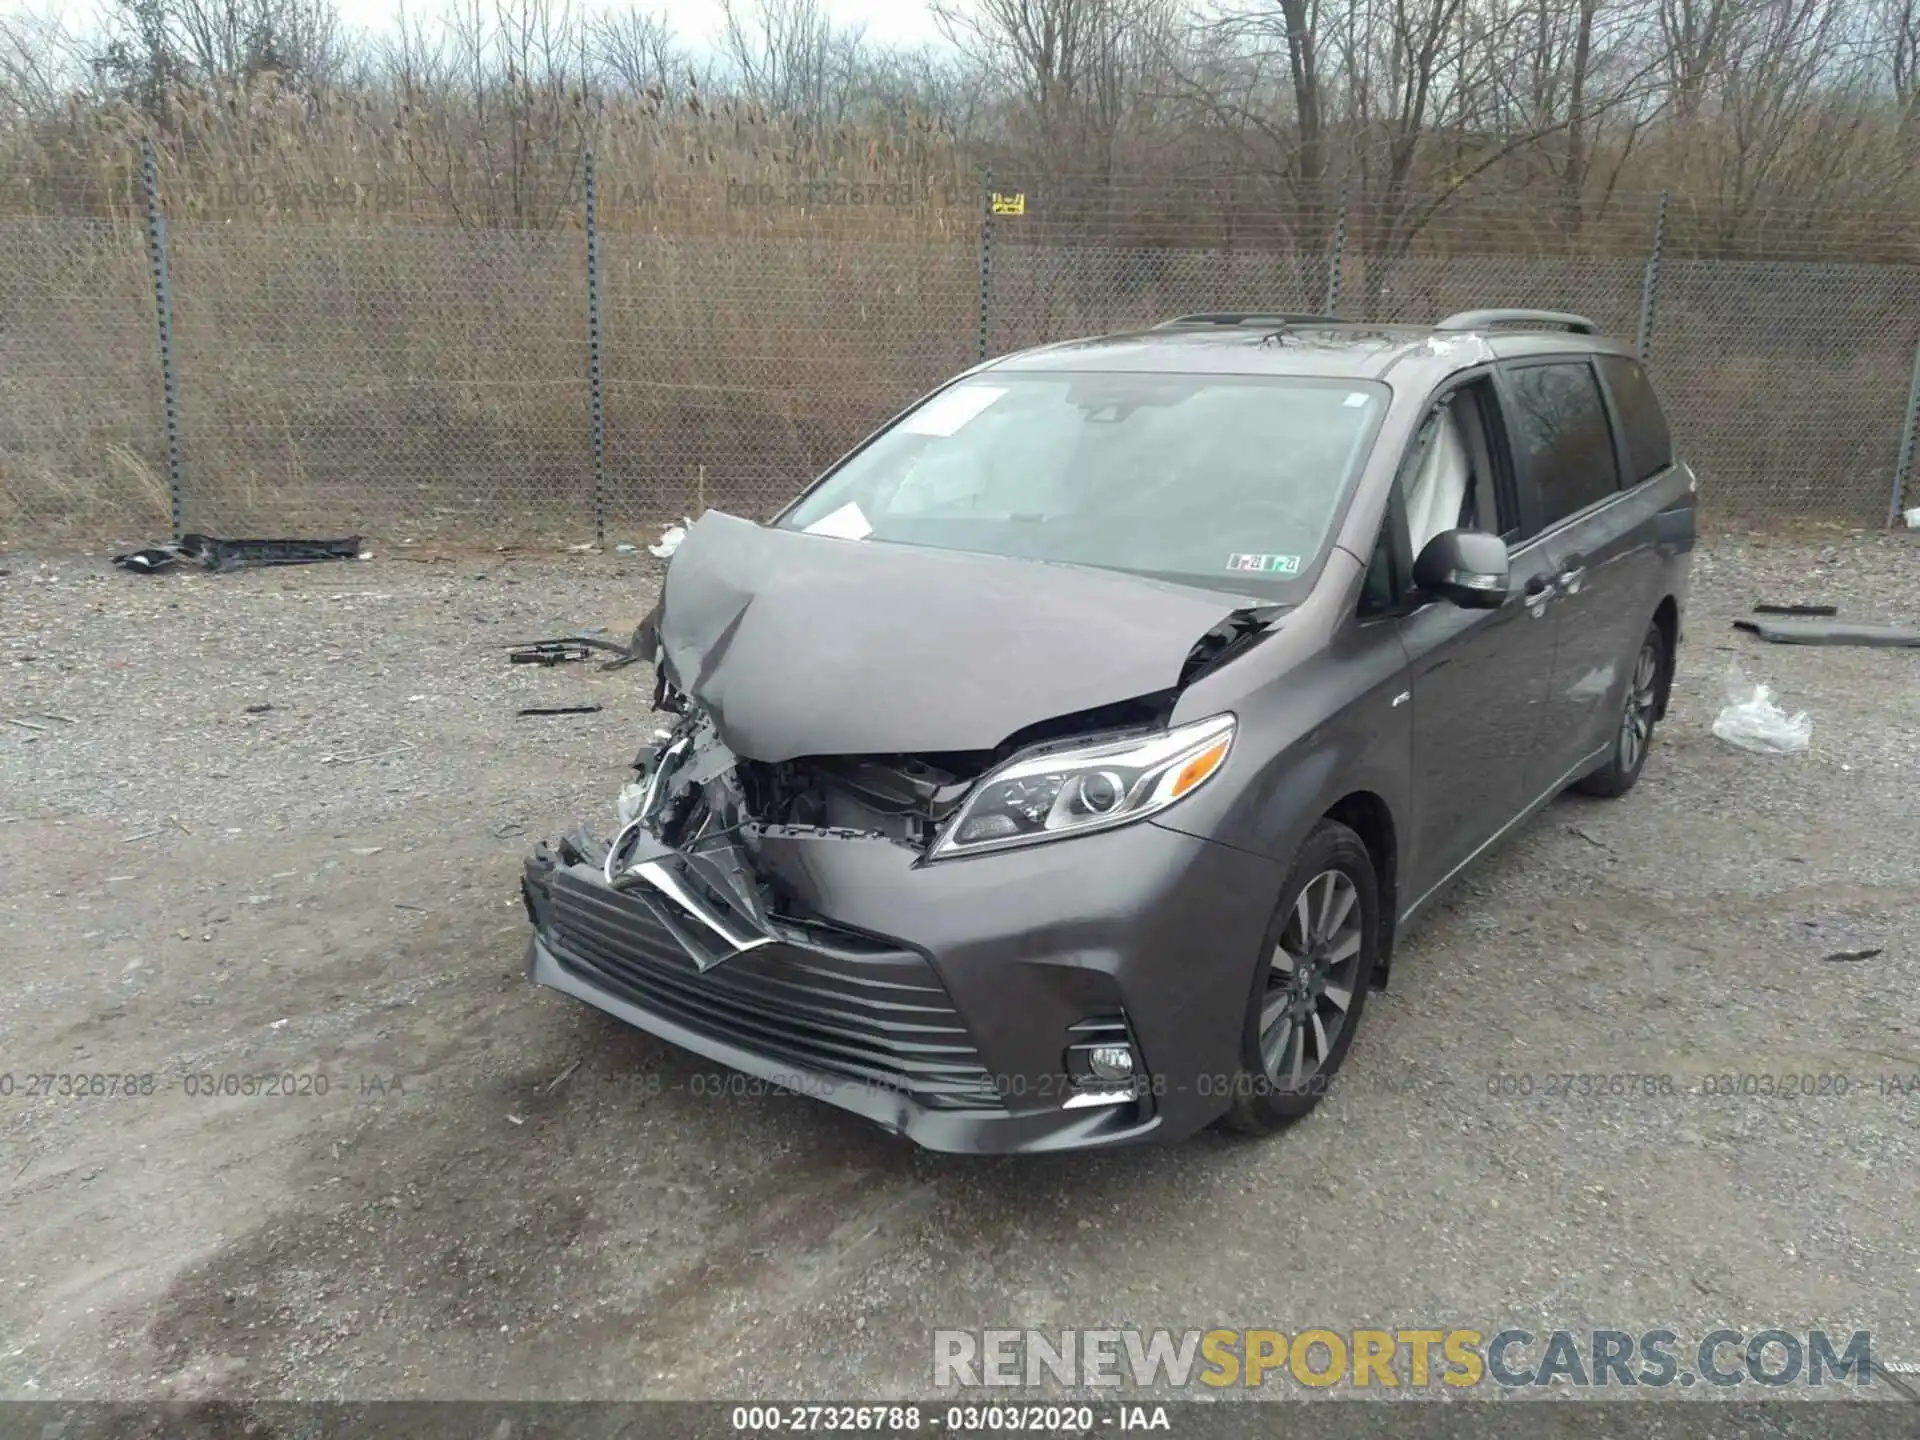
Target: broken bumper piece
995,1028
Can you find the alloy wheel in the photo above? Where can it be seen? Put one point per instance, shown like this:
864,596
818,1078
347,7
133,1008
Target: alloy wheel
1311,980
1636,725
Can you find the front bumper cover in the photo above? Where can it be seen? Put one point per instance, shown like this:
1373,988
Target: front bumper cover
957,1037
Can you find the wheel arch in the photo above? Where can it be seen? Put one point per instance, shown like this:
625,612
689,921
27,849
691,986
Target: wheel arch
1369,816
1666,617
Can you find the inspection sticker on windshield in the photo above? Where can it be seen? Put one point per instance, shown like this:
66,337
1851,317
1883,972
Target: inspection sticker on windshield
846,523
947,412
1266,564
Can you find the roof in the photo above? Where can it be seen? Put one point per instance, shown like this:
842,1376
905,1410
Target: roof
1311,348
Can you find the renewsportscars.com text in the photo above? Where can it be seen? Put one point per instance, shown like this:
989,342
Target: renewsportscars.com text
1410,1358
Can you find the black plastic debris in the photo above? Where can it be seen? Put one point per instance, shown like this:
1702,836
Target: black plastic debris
573,648
1795,610
154,558
549,652
1795,630
560,710
213,553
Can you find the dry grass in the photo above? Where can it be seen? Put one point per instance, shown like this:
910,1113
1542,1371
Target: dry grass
268,154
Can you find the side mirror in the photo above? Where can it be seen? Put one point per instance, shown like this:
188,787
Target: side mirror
1466,567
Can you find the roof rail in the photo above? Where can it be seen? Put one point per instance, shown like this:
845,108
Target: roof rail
1250,317
1525,319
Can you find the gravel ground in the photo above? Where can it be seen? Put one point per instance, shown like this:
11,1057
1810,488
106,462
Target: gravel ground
504,1194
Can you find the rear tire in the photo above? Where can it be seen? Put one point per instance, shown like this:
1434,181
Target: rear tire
1634,737
1316,966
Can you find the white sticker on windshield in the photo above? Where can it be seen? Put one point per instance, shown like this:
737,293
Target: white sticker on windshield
947,412
846,523
1356,399
1266,564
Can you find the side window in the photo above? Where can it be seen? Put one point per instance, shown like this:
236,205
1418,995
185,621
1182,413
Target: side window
1649,442
1451,480
1562,435
1455,475
1377,588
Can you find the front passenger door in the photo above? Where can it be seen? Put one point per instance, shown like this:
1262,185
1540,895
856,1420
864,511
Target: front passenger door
1478,679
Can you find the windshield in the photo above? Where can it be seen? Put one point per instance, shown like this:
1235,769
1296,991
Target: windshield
1229,481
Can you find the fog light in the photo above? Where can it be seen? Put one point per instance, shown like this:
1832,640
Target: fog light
1110,1062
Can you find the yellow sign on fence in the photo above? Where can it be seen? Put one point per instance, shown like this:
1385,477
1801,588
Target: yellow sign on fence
1008,204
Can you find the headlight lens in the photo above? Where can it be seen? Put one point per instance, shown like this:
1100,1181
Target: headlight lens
1089,787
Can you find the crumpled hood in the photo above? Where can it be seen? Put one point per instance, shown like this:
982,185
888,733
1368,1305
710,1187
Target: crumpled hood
802,644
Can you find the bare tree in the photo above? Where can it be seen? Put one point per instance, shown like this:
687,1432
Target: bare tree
637,52
152,45
41,62
788,57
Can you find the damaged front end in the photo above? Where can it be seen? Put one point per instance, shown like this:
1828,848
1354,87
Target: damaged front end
693,800
683,916
777,892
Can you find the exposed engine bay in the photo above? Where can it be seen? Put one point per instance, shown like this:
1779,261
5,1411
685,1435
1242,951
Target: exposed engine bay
690,791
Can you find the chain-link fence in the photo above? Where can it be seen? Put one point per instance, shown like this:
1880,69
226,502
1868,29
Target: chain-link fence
440,381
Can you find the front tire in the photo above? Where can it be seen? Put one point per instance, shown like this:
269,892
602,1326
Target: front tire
1635,736
1311,984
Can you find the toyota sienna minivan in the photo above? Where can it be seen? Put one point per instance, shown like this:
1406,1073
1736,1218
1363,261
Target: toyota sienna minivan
1060,769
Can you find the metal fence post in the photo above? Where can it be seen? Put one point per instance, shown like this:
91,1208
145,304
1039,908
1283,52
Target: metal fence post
1903,465
1336,262
163,308
986,256
1650,282
593,362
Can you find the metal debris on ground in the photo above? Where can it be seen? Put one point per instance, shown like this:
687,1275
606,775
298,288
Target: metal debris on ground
549,652
1752,721
219,555
370,755
574,647
1866,954
1796,630
560,710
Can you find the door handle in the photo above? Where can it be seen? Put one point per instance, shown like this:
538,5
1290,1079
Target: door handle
1538,595
1569,579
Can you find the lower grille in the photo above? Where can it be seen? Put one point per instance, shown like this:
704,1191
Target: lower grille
879,1015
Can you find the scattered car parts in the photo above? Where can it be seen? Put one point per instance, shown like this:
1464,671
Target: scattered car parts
573,648
219,555
1797,630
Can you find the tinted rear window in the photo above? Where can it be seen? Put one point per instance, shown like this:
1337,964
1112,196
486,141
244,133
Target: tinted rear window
1562,434
1649,442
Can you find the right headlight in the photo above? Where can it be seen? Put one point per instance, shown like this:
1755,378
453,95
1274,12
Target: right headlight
1089,787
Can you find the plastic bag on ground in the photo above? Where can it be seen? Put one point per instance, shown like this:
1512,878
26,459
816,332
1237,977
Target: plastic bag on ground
1752,721
670,539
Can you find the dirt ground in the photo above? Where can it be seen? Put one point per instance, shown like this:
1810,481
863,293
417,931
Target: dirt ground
462,1187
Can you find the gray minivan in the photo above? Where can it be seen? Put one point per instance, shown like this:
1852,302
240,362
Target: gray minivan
1060,768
